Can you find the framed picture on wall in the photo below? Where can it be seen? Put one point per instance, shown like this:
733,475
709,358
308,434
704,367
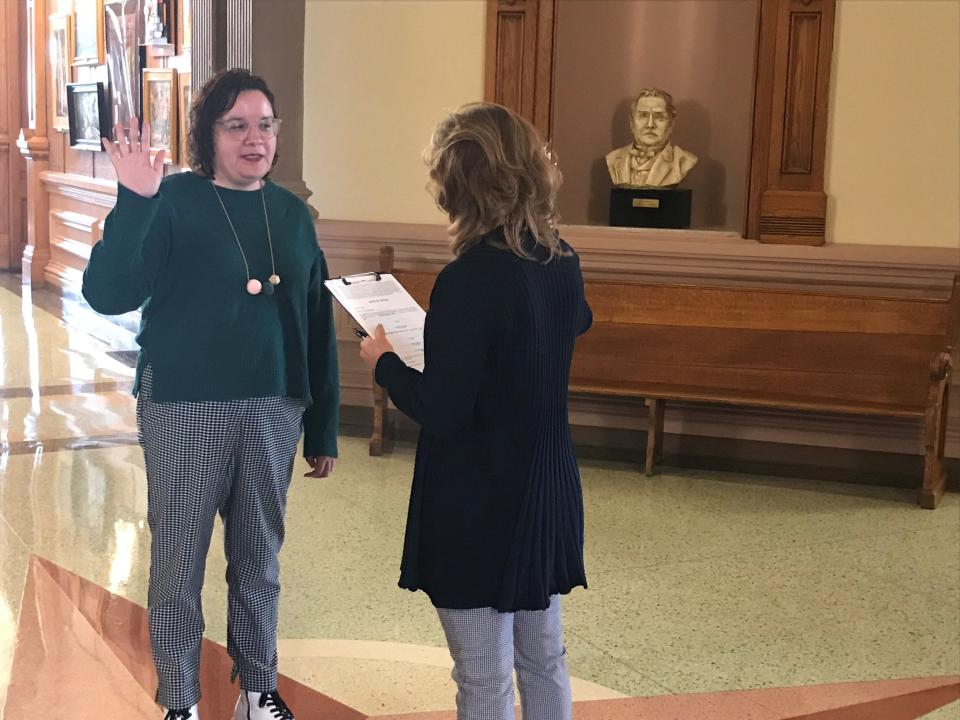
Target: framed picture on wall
184,98
89,115
61,55
88,46
124,32
183,26
159,19
160,109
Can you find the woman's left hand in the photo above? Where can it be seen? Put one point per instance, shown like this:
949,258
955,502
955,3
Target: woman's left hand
321,466
371,348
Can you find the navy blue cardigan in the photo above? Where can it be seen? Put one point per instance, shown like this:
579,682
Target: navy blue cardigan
496,511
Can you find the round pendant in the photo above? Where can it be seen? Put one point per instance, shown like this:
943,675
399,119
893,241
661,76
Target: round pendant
254,287
274,279
267,289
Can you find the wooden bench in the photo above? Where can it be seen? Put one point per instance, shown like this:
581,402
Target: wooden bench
789,349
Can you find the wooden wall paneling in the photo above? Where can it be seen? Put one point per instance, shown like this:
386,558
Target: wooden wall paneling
34,143
543,75
58,143
77,207
9,91
72,236
519,58
78,162
13,171
6,201
786,202
102,167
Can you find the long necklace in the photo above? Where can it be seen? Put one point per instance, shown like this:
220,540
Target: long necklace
254,286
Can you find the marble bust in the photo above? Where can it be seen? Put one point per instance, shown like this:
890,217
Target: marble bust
651,160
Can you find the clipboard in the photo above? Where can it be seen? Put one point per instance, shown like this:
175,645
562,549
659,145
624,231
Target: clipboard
377,298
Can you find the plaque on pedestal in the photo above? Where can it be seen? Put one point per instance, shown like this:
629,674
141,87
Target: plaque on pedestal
650,207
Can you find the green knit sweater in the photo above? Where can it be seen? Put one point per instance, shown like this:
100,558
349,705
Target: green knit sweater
205,337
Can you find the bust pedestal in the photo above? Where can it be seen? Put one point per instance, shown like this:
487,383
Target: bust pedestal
650,207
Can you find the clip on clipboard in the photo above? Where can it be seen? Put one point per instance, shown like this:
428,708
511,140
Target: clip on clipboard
357,277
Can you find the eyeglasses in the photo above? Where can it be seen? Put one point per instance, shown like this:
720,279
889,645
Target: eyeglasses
268,127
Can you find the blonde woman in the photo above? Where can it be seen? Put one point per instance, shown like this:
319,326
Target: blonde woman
495,526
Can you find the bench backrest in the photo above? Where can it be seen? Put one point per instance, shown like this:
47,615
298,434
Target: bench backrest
848,352
851,353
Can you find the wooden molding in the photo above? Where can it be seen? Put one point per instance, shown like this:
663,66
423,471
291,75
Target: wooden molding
36,147
785,199
676,256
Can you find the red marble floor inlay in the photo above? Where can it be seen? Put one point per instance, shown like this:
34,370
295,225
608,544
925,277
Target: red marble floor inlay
83,653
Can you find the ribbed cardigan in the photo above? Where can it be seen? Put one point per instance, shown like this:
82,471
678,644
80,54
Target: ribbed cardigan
496,511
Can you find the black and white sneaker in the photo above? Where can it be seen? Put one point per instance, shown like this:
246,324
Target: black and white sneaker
261,706
188,714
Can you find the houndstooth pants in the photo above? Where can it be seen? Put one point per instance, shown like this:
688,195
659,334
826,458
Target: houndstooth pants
487,646
235,458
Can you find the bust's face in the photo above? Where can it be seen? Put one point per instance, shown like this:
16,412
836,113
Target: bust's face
651,122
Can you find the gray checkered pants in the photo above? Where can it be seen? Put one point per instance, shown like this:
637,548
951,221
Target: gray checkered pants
487,646
235,458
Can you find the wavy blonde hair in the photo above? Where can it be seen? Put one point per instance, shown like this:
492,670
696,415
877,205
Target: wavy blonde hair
490,169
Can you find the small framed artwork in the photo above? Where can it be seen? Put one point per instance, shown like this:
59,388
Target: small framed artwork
61,55
159,21
183,26
160,109
88,44
184,98
89,115
124,33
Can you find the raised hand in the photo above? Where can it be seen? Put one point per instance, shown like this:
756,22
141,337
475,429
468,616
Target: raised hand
131,160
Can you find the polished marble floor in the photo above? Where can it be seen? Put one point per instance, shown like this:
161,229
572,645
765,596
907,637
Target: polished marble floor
711,595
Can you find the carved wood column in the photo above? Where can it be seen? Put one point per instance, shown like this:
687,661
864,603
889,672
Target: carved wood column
786,203
34,144
519,58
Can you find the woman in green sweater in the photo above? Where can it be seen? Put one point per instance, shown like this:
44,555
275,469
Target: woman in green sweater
237,359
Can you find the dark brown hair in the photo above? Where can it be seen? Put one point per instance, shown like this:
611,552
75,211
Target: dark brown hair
214,100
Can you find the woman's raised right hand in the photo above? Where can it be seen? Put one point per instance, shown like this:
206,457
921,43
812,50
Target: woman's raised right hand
131,160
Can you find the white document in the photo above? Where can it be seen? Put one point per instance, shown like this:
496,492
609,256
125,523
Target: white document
375,299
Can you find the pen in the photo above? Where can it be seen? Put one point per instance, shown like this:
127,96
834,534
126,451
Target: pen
360,333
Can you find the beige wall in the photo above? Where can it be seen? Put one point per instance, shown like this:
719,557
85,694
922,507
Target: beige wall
378,76
893,151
